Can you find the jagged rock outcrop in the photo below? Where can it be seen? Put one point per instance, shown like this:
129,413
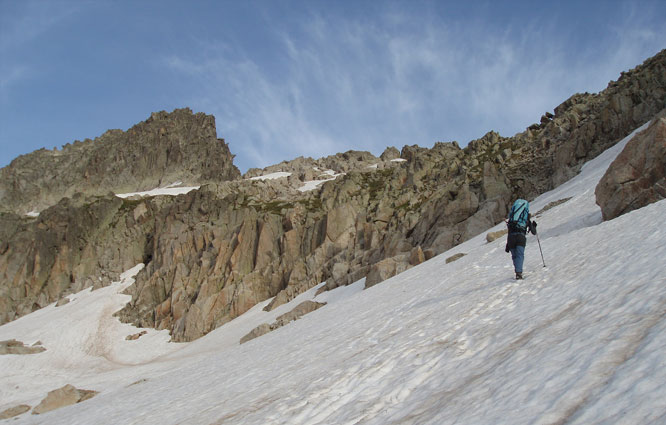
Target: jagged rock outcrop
637,177
77,243
311,169
585,125
164,149
214,253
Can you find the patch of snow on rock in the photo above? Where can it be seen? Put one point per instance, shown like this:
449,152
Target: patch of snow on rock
272,176
168,191
314,184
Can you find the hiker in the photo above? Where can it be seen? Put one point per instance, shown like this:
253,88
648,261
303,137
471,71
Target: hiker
518,224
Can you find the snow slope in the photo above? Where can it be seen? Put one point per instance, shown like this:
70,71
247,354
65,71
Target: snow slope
581,341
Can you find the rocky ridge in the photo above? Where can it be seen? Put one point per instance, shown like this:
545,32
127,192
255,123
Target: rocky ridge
213,253
166,148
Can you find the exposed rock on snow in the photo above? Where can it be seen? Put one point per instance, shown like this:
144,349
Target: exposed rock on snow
135,336
62,397
299,311
637,177
551,205
260,330
455,257
62,301
14,411
491,236
386,268
13,346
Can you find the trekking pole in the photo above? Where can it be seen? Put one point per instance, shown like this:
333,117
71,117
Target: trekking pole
544,261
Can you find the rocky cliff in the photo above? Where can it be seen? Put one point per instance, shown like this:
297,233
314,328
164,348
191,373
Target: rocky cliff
637,177
164,149
214,253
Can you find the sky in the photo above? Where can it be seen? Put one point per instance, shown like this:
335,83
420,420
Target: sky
308,78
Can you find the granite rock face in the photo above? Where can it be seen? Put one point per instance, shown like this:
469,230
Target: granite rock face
75,244
585,125
637,177
166,148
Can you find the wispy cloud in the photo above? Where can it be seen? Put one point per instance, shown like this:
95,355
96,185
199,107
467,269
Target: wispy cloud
346,85
11,75
30,19
27,21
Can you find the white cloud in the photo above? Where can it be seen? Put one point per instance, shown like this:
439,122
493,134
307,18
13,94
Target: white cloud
347,85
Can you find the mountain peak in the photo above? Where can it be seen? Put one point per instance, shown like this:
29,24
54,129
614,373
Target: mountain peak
165,148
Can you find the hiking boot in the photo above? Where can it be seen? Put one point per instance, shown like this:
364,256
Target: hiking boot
519,276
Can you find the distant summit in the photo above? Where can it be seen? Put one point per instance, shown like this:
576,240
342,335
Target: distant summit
166,148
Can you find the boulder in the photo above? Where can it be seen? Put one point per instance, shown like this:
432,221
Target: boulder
386,269
492,236
62,301
62,397
416,256
260,330
299,311
13,346
390,153
296,313
135,336
455,257
14,411
637,177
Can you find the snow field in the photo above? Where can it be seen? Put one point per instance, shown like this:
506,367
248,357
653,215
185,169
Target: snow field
84,343
579,341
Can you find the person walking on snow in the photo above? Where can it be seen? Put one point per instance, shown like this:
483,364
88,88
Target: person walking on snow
518,223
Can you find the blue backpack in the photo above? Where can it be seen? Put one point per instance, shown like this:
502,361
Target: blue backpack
518,215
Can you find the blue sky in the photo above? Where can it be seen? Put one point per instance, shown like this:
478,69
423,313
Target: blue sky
311,78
